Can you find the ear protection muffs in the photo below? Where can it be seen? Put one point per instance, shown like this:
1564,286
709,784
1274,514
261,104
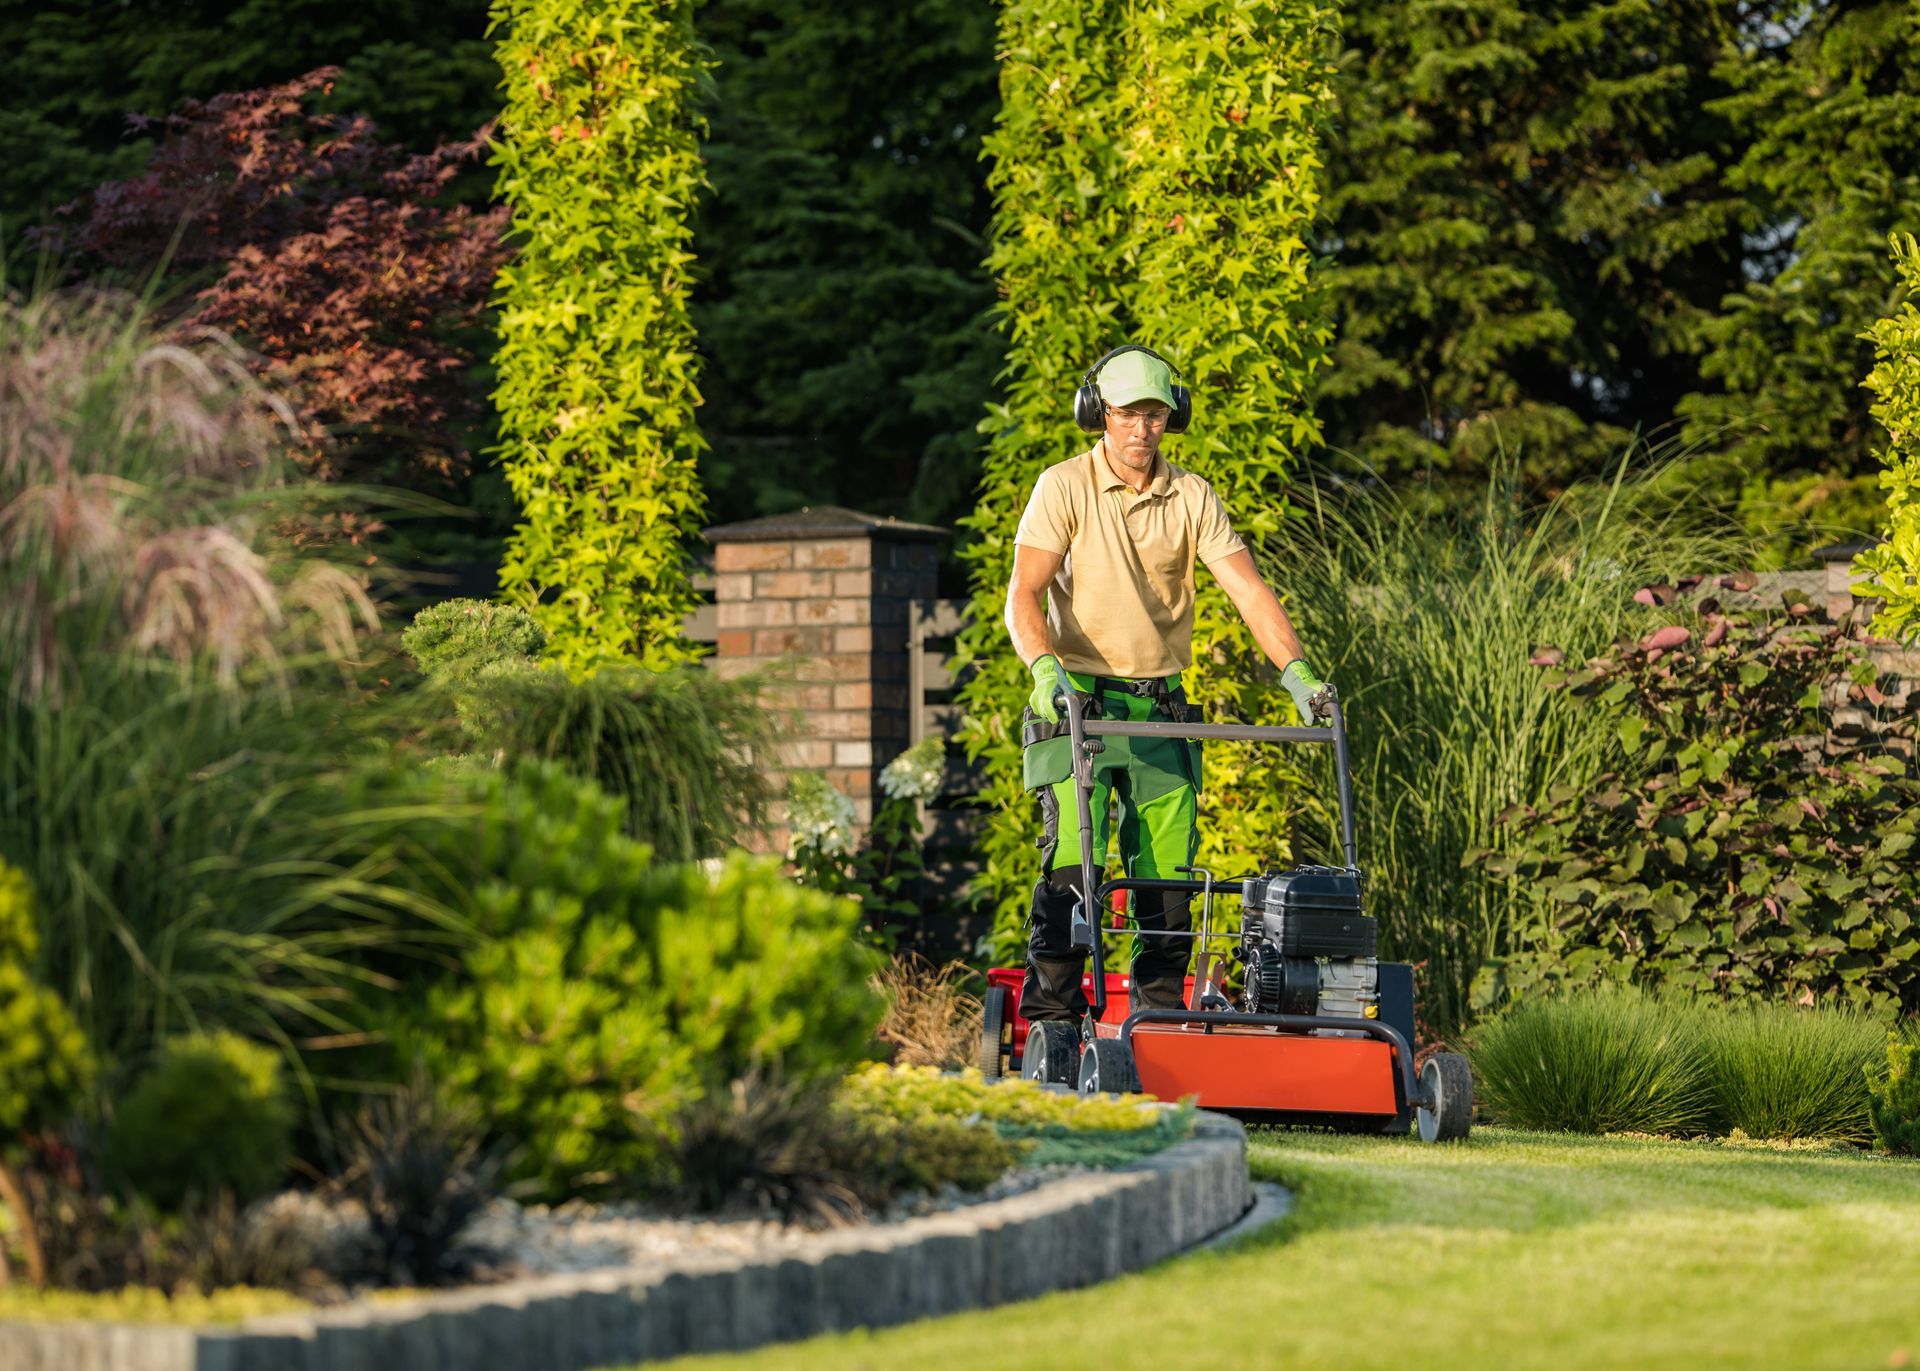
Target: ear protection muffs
1090,411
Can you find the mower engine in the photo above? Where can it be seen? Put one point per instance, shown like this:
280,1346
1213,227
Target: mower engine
1307,947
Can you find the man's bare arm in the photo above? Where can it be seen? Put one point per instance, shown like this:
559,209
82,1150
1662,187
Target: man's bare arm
1259,606
1033,570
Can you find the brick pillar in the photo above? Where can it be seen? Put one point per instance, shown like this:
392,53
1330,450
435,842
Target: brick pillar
827,589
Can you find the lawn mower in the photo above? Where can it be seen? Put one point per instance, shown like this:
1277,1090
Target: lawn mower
1317,1029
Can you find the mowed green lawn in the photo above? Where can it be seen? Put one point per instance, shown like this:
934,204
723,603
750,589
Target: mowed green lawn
1515,1250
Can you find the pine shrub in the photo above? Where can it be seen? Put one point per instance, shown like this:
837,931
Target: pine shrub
1894,1099
210,1115
594,994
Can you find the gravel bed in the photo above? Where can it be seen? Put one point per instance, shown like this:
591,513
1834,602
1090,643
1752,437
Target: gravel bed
576,1236
538,1240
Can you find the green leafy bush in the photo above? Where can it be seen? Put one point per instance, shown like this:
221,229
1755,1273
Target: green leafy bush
1893,568
1603,1061
1724,852
1894,1099
459,637
594,993
1155,178
599,161
45,1067
210,1114
1781,1071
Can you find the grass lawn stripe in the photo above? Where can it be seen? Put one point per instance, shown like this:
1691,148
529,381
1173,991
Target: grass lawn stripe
1518,1250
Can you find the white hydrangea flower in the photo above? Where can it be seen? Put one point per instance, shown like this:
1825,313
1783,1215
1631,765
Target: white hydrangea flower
916,773
818,816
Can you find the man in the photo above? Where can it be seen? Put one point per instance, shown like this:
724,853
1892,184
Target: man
1101,602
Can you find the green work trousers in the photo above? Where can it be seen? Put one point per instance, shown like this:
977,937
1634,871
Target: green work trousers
1153,782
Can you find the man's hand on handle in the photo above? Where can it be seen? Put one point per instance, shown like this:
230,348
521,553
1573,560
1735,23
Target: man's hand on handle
1046,684
1312,696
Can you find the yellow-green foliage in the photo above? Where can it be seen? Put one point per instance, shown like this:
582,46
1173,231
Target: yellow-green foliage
44,1063
1894,1098
144,1304
1894,565
1155,176
210,1114
902,1090
599,160
938,1128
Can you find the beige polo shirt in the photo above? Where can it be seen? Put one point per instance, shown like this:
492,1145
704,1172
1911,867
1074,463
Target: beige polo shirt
1122,603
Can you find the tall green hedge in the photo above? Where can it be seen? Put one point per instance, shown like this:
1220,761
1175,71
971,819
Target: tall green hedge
599,158
1895,384
1155,173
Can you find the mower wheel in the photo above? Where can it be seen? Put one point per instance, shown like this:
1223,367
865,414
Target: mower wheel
1053,1053
1447,1113
1106,1065
993,1025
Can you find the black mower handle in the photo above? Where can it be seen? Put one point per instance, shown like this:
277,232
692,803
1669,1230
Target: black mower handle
1084,922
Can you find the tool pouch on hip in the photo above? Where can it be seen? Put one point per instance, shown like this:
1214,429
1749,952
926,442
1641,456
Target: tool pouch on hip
1046,748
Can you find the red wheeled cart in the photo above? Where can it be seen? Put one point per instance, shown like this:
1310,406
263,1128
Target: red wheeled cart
1319,1030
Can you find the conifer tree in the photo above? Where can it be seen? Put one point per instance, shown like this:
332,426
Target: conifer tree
1827,108
1525,227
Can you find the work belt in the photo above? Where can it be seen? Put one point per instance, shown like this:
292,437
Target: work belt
1147,688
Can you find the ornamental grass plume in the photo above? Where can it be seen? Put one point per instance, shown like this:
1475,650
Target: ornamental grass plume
142,489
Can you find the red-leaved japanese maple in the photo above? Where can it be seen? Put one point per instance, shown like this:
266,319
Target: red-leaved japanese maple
336,257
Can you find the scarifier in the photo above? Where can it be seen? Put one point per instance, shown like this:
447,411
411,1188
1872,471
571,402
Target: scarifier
1320,1032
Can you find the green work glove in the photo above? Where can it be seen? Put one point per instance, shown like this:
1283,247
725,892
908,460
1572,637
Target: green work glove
1311,695
1046,684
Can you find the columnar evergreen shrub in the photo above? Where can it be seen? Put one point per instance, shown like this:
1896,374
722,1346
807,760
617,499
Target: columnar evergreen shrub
1894,565
1155,174
1723,851
599,161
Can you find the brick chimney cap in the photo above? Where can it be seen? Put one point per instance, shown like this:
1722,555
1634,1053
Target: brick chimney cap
824,521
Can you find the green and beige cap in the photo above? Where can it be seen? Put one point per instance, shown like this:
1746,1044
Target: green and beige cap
1134,376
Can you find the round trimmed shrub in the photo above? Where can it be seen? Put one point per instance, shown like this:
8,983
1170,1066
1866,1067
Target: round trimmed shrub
211,1114
459,637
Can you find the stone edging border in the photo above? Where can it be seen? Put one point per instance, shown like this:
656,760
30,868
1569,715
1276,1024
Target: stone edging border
1071,1232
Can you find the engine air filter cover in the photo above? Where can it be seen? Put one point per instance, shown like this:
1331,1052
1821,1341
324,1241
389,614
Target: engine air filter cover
1312,911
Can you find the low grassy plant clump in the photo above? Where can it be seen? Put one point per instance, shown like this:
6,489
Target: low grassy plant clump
1780,1071
681,747
1610,1061
1618,1060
